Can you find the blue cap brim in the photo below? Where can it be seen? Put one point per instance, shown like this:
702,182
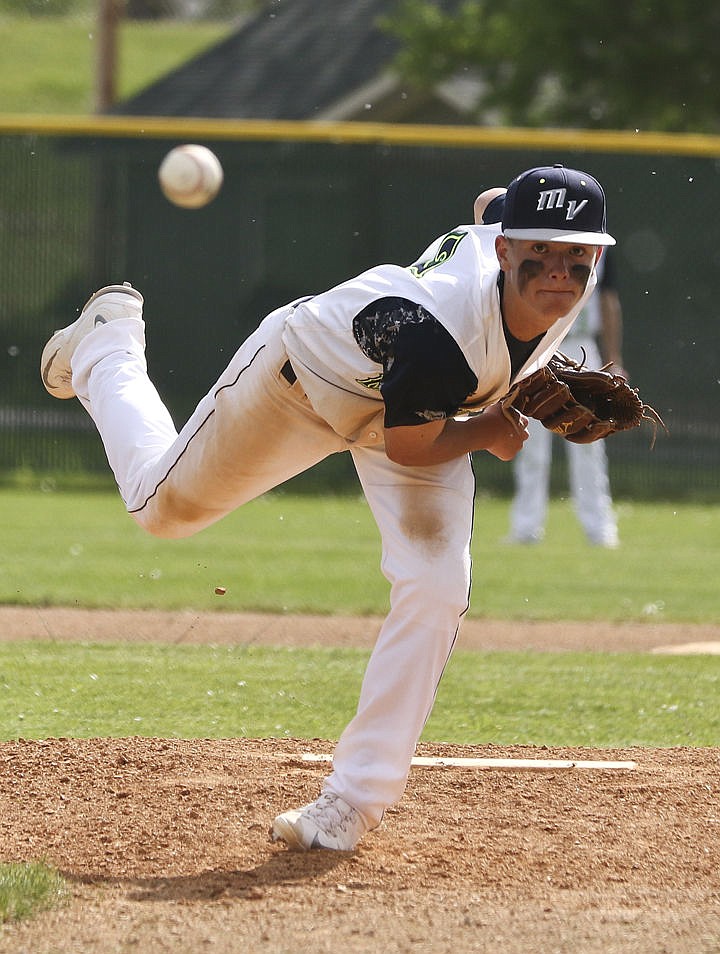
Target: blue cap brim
559,235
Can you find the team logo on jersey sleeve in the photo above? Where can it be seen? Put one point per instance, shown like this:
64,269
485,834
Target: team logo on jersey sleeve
447,248
372,382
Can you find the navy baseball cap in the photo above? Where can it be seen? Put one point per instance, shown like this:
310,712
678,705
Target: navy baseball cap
555,204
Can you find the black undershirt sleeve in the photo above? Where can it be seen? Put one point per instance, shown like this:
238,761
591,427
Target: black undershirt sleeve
608,277
425,374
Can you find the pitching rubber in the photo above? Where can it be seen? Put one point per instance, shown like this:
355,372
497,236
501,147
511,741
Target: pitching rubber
507,765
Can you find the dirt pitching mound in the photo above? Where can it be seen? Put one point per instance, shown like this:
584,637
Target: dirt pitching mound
165,842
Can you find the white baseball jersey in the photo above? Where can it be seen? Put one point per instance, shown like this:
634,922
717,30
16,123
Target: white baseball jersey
405,345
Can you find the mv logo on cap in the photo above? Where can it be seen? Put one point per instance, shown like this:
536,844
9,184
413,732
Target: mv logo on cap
555,199
555,204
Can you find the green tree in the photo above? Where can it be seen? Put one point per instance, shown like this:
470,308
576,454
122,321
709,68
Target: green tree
641,64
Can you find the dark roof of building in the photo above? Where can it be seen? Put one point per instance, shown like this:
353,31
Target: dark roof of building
294,59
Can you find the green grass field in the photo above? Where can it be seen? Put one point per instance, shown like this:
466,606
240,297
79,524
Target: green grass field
48,63
290,554
51,690
320,554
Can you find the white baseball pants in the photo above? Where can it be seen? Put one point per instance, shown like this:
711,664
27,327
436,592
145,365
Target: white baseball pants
587,475
252,432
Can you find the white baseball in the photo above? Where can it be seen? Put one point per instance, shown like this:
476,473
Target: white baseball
190,176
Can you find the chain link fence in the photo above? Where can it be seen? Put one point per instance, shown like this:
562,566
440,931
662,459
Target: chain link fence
302,209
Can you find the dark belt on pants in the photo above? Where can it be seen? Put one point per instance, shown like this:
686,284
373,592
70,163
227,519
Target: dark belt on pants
288,372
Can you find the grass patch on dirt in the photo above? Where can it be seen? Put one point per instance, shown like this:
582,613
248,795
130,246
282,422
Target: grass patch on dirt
27,888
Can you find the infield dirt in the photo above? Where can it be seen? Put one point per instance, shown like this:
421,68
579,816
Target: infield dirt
165,842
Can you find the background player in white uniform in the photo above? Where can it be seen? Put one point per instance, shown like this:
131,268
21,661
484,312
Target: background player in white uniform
389,366
587,463
597,327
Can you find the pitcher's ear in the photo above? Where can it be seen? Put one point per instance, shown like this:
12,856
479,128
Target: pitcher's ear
502,245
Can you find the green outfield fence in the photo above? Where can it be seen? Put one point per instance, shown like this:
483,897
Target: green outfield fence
306,205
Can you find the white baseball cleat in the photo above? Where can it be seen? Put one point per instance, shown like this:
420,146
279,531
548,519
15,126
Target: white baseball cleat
113,301
327,823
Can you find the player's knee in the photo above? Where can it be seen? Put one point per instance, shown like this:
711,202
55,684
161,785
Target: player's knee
169,525
445,585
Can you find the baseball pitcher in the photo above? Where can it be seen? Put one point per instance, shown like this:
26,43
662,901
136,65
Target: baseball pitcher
403,367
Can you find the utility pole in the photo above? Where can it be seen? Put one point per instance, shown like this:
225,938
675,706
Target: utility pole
106,55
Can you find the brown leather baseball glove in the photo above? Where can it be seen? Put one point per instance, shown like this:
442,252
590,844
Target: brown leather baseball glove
579,404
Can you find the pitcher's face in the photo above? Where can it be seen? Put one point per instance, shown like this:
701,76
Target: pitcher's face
547,277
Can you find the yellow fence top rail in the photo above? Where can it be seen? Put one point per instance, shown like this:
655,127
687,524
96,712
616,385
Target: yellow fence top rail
485,137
